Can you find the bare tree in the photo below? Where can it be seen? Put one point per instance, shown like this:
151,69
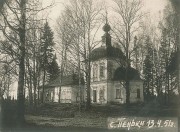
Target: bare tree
82,20
15,15
129,14
169,46
176,5
8,76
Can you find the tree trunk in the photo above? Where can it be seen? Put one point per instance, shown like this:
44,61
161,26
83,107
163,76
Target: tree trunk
38,80
29,81
44,76
59,98
38,91
35,101
79,76
88,102
127,93
34,75
88,74
127,79
167,88
20,93
63,61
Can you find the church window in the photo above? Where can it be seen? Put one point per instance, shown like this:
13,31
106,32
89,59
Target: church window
118,94
102,70
110,66
94,96
138,93
101,94
95,71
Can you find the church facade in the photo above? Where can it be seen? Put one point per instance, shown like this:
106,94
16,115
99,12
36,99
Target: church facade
108,75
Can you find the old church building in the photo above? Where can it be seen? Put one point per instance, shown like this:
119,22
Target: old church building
108,74
107,78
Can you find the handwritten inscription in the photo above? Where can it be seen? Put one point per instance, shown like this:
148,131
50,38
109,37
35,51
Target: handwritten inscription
160,123
138,123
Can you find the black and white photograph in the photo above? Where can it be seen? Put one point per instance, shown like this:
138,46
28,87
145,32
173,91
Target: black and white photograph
89,65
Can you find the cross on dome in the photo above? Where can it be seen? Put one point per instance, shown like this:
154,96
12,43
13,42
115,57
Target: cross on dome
106,27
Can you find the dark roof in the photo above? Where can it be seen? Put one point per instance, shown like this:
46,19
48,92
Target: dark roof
109,52
120,73
66,80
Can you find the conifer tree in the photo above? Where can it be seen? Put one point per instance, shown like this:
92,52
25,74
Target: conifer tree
53,69
165,57
148,71
46,55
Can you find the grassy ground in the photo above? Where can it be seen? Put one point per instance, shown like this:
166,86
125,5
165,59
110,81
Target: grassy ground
67,116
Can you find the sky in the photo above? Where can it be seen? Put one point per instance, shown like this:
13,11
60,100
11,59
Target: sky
152,6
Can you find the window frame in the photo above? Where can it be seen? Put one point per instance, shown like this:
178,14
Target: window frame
95,71
120,95
102,70
138,93
101,93
94,96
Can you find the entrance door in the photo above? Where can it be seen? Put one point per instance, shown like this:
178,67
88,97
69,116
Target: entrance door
94,95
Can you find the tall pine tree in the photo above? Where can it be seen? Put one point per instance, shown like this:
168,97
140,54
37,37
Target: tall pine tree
165,58
46,55
148,71
53,69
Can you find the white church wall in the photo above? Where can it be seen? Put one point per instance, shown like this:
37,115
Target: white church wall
101,93
74,93
110,91
66,94
56,94
97,71
134,85
114,65
122,99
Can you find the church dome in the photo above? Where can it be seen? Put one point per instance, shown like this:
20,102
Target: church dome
106,27
120,73
103,52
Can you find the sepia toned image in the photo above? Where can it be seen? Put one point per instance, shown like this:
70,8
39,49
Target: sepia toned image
89,65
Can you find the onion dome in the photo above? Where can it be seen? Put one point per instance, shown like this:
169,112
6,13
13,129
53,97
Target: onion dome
106,27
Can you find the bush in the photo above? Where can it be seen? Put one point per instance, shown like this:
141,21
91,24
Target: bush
8,113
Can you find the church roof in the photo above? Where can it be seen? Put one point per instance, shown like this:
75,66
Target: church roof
66,80
106,52
120,73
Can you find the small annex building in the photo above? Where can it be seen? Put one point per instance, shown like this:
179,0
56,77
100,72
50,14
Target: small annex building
67,89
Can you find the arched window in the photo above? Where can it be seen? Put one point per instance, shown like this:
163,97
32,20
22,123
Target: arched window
95,69
102,70
118,94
